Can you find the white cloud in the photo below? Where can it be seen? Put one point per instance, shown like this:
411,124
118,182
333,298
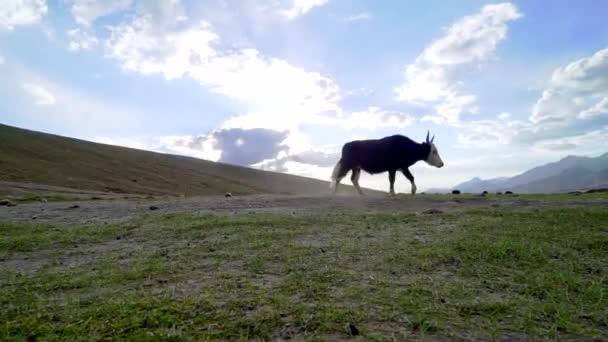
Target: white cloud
577,90
504,116
194,146
489,133
363,16
85,12
301,7
470,40
21,12
597,109
449,110
589,141
64,107
1,59
244,75
375,117
586,75
569,111
39,94
553,107
80,39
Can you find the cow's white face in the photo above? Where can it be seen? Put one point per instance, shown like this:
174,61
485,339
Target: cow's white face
433,158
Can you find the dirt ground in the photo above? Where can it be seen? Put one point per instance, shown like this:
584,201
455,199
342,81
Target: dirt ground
78,212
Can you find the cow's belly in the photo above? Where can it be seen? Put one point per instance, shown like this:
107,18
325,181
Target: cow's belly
373,169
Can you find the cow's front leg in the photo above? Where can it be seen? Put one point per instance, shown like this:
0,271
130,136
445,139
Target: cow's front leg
391,179
410,177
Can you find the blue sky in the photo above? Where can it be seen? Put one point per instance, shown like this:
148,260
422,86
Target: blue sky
281,85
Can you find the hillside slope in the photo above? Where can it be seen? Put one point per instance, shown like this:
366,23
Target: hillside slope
29,156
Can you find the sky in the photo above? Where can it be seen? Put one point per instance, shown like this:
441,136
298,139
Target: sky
282,85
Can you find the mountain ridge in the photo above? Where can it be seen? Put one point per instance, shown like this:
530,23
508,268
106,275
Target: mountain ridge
571,173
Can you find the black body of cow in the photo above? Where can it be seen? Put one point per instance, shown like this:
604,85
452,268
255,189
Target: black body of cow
393,153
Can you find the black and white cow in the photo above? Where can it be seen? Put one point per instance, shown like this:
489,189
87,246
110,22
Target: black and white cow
392,154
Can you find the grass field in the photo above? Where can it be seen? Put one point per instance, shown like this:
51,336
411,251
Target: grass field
478,273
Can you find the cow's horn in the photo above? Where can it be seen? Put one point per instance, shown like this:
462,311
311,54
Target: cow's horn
427,136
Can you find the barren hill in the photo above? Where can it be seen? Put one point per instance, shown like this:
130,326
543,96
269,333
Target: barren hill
34,157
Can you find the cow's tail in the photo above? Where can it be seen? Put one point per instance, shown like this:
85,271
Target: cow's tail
334,174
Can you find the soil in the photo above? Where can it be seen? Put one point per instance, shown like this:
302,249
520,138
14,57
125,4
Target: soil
81,212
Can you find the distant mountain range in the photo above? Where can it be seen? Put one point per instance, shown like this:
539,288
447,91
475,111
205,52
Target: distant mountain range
573,173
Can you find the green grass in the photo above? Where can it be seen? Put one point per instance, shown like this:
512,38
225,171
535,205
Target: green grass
33,197
482,273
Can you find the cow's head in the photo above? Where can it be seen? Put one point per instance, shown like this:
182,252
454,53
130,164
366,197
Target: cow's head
433,157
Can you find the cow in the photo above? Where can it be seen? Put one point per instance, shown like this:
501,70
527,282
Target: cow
393,153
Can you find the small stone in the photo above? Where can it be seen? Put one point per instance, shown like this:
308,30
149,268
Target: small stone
7,202
153,207
34,217
75,206
250,307
455,192
118,238
353,329
228,194
432,211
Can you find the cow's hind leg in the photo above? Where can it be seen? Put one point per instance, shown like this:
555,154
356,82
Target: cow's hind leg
355,179
340,171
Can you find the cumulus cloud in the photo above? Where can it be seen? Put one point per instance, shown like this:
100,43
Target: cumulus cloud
573,104
432,78
85,12
39,94
21,12
586,75
577,90
587,141
234,146
376,117
600,108
301,7
200,146
246,75
81,40
314,158
247,147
